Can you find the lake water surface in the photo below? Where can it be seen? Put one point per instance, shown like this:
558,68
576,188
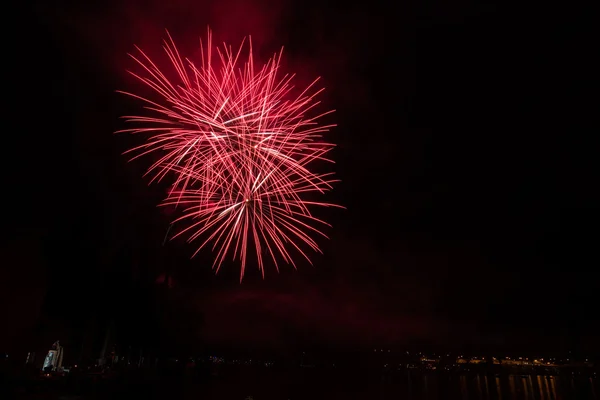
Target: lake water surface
316,385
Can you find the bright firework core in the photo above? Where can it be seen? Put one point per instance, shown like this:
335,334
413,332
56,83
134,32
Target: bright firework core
238,146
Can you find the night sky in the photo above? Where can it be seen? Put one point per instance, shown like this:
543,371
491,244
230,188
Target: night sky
467,151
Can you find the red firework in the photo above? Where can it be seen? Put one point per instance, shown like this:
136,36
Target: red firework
238,145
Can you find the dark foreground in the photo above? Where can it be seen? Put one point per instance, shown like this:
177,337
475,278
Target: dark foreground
304,384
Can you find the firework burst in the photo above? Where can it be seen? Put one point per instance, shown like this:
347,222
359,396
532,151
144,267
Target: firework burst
239,147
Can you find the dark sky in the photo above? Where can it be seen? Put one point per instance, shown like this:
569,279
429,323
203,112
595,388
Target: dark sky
467,154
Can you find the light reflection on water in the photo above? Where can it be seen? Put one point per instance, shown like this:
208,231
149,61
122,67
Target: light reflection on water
346,385
512,387
415,386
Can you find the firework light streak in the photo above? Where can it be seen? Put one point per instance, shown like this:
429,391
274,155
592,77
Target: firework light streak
239,146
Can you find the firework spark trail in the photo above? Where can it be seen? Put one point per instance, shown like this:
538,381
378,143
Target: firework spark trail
239,147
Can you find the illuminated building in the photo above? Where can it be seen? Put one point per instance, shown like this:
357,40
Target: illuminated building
53,360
